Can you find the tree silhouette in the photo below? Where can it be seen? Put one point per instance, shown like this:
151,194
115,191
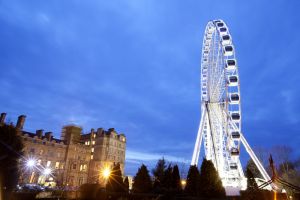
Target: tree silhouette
192,181
115,180
159,175
126,185
142,182
176,182
210,184
251,183
252,167
167,178
10,151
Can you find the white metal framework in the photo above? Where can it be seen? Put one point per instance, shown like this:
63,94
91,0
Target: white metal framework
220,125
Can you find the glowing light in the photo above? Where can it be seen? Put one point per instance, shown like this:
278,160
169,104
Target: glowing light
47,171
183,182
106,172
30,163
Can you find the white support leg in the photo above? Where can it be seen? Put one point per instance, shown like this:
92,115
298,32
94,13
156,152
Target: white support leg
197,148
255,159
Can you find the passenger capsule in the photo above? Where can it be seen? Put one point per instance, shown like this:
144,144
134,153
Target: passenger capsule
220,24
228,50
223,31
235,152
235,116
233,80
226,40
233,166
235,135
230,64
234,98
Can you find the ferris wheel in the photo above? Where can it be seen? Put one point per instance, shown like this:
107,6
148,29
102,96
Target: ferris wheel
220,125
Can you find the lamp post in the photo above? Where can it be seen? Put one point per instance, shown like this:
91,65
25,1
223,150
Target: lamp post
31,164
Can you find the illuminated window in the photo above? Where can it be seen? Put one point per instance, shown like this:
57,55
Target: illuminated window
92,157
41,152
84,166
48,163
81,167
93,142
56,165
94,135
88,143
39,161
92,149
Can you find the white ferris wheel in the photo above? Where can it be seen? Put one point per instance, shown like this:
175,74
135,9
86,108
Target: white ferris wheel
220,125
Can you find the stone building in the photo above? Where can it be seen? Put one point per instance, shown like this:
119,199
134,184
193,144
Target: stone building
73,159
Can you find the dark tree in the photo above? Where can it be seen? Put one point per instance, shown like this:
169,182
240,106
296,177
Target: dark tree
210,184
159,173
142,182
251,183
126,185
192,181
252,167
176,182
115,180
167,178
10,152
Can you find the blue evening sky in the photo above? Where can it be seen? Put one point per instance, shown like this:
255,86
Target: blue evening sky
135,65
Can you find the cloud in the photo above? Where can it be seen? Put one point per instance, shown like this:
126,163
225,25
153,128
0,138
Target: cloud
142,156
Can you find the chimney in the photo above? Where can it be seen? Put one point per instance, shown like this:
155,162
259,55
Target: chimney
111,130
39,133
99,131
48,135
2,118
21,121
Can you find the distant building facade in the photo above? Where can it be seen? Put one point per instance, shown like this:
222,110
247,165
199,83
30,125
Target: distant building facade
72,160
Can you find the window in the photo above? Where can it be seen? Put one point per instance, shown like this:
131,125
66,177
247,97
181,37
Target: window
41,152
80,168
84,167
48,163
80,181
56,165
92,149
74,166
92,157
58,154
39,162
93,142
94,135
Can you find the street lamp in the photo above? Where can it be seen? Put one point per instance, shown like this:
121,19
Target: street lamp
106,172
47,172
30,163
